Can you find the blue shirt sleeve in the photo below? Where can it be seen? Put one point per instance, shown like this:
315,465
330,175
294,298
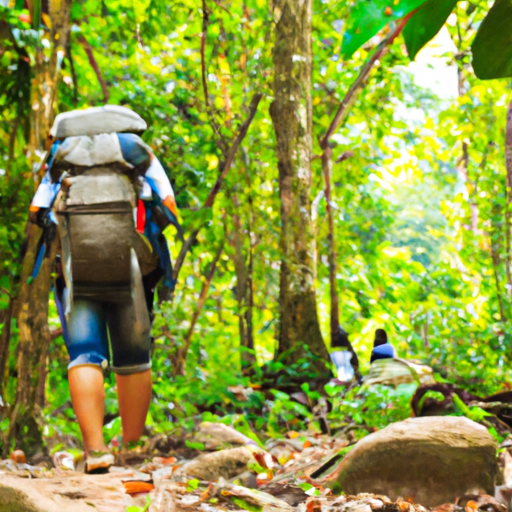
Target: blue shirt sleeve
46,192
48,189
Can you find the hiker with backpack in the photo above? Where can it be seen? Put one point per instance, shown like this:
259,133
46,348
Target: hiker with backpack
110,199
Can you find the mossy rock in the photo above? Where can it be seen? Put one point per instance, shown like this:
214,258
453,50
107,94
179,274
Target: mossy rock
14,500
432,460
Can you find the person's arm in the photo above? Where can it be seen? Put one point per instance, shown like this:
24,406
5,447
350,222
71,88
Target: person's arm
47,190
43,198
159,183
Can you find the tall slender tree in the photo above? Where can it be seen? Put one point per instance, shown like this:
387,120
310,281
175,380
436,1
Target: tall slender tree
26,426
291,113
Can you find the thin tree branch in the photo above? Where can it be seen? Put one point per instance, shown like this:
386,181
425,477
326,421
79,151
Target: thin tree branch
350,97
73,71
183,351
253,107
5,339
344,156
508,163
12,139
221,141
252,243
508,150
327,170
92,61
495,264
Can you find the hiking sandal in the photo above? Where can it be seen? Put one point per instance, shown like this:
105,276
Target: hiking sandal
97,462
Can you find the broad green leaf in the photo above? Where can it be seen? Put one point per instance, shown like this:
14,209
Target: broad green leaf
192,485
366,18
244,505
425,24
460,405
492,47
194,445
135,508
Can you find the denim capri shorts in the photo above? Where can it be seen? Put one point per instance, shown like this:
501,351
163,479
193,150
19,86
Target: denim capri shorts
111,332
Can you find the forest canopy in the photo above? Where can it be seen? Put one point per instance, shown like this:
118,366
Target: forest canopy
418,200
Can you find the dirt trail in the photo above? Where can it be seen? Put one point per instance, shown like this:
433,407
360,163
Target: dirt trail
237,474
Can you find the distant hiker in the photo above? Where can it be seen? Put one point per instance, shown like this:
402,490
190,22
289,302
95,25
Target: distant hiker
381,348
110,199
344,357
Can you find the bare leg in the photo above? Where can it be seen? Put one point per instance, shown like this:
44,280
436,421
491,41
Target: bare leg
88,397
134,393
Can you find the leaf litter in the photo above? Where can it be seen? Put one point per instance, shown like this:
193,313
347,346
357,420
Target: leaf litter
284,475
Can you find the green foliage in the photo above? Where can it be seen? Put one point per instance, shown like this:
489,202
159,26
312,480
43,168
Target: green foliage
194,445
192,485
477,414
286,413
436,395
370,408
145,508
368,17
239,422
244,505
492,47
421,214
425,24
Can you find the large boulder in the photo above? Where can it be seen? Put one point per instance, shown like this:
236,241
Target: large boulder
15,500
66,492
432,460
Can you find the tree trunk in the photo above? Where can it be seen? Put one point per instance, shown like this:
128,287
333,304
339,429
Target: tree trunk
243,271
291,113
25,427
26,418
5,338
508,207
331,245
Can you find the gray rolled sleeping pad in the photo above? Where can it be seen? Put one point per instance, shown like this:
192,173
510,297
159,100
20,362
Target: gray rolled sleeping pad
94,120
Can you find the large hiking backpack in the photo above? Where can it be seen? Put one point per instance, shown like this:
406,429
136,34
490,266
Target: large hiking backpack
103,256
99,240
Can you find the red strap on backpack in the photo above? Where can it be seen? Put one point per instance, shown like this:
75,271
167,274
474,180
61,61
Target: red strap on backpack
141,216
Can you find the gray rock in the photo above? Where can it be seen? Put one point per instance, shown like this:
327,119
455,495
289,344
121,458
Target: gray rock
69,492
218,435
432,460
212,466
15,500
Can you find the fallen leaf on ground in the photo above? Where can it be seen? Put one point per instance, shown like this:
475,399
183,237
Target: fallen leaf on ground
313,505
137,486
241,393
164,460
264,478
471,506
266,460
18,456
